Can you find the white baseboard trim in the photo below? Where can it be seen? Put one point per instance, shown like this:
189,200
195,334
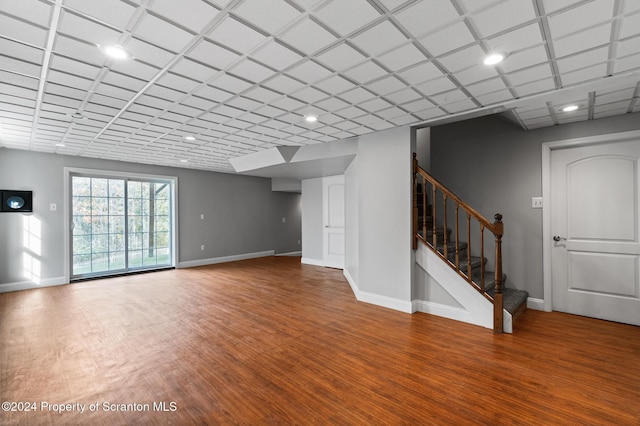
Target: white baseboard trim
446,311
385,301
291,253
224,259
352,282
28,285
536,304
314,262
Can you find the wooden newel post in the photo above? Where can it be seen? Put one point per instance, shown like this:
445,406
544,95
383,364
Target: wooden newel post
498,230
414,237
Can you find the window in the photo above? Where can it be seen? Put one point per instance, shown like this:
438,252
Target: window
120,224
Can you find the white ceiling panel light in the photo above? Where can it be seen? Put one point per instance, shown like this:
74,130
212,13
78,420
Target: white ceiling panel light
115,51
494,58
570,108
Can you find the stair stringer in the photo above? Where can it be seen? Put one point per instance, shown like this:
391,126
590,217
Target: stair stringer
473,308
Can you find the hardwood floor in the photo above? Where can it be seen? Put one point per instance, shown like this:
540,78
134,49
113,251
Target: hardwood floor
271,341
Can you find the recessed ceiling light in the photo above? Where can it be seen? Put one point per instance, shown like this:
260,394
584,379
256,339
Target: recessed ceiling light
495,58
310,118
115,51
190,138
570,108
60,144
184,161
77,116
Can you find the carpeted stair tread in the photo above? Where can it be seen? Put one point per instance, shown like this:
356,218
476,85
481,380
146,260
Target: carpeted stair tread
512,298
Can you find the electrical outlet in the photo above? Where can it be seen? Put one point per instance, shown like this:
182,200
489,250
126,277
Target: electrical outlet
202,247
53,207
536,202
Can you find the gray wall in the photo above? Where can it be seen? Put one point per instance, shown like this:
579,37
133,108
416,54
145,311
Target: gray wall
242,214
497,167
312,221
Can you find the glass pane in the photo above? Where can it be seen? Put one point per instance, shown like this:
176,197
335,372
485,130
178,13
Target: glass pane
116,225
163,190
162,207
135,241
135,258
164,256
99,206
81,264
99,187
116,260
134,189
135,206
81,225
116,242
82,244
116,188
81,205
81,186
116,206
162,223
99,262
99,243
162,239
99,225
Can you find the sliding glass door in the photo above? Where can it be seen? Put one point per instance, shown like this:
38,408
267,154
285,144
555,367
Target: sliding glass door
120,225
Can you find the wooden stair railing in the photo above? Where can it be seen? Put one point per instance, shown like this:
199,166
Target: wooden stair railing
423,180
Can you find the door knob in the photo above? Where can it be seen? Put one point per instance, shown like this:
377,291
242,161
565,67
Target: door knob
557,238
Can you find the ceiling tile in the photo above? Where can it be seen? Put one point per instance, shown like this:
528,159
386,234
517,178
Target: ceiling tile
584,75
403,96
213,94
308,37
192,14
517,40
193,70
459,106
402,57
270,15
230,83
374,105
213,55
583,60
349,112
427,15
276,55
72,47
365,72
114,12
309,95
530,74
517,11
74,67
614,96
335,84
261,94
162,33
421,73
283,84
379,39
165,93
463,59
495,97
345,17
135,69
551,6
582,41
22,31
417,105
84,29
236,35
143,51
535,87
21,51
525,58
437,85
392,4
475,74
309,72
581,17
357,95
177,82
114,91
30,10
628,47
341,57
627,63
630,25
386,85
448,39
488,86
331,104
287,103
18,80
251,71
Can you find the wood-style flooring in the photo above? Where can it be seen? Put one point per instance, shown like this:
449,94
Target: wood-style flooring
271,341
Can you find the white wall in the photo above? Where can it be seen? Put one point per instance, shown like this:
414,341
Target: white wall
351,233
312,224
381,183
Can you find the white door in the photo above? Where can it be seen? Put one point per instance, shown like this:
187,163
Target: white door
333,217
595,196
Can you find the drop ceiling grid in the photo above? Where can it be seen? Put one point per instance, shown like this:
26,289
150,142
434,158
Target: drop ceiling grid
360,87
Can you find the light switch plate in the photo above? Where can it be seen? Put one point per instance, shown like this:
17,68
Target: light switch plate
536,202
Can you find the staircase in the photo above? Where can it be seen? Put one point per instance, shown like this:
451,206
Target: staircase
466,254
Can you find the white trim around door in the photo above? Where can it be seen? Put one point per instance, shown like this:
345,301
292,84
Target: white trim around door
546,196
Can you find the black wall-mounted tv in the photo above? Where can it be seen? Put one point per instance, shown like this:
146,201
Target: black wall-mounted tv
16,201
